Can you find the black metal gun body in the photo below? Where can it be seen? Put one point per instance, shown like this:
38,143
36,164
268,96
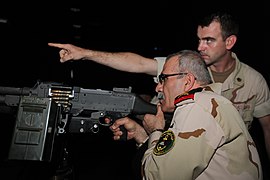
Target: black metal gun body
50,109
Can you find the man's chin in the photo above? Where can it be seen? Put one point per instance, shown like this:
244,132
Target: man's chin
167,109
163,107
207,61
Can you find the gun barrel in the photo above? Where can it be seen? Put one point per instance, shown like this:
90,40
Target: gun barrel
14,90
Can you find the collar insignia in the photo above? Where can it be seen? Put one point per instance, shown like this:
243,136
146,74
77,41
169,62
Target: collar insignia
186,96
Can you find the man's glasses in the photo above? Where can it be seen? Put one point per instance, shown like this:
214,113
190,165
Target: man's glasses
162,77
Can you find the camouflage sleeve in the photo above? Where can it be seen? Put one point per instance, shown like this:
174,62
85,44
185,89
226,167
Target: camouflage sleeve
186,148
160,62
262,106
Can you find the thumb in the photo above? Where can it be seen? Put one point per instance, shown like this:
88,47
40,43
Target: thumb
159,111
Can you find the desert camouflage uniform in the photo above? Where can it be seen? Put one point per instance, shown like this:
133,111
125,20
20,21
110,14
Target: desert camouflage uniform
207,140
245,87
248,91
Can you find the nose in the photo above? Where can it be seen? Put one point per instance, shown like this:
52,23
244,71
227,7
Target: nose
201,46
159,87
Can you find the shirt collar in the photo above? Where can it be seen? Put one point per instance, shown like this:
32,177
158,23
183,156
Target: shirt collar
186,97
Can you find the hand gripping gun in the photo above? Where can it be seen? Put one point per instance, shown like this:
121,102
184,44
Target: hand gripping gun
51,109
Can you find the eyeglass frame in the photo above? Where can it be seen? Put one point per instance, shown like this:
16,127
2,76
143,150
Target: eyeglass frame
162,77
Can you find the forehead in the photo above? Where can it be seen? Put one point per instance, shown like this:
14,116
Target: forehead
213,30
171,64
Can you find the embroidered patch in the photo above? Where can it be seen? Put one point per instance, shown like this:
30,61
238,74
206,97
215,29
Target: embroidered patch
165,143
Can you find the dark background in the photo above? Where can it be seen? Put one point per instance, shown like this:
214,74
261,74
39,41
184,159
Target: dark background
150,28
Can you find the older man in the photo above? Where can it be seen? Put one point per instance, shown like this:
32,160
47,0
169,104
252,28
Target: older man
207,138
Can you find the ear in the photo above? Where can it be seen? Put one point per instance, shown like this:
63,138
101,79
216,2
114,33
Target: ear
190,81
230,41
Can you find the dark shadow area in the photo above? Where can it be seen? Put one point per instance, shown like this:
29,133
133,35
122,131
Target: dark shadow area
151,29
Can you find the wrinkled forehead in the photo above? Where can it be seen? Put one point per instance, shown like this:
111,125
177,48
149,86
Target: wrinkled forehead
171,64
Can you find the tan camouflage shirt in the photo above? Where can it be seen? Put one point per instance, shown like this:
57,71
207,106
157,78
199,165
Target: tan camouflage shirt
207,139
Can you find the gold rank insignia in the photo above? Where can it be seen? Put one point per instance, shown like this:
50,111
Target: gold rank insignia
165,143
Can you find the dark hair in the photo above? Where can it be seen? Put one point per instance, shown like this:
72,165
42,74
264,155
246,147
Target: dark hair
229,25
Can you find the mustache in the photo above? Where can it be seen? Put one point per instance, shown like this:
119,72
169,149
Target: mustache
160,96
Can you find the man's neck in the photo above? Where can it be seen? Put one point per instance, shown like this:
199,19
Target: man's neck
223,65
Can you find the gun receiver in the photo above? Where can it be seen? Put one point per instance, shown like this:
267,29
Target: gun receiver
50,109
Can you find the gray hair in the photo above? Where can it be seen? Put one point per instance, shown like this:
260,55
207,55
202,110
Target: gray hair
192,62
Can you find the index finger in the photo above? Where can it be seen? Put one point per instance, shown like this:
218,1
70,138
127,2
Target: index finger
159,110
58,45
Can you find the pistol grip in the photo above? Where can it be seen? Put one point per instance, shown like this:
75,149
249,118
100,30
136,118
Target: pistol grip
123,137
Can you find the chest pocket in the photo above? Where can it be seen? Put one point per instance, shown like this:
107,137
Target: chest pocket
244,103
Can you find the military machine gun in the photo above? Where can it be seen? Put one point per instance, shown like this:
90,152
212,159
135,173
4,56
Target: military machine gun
50,109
